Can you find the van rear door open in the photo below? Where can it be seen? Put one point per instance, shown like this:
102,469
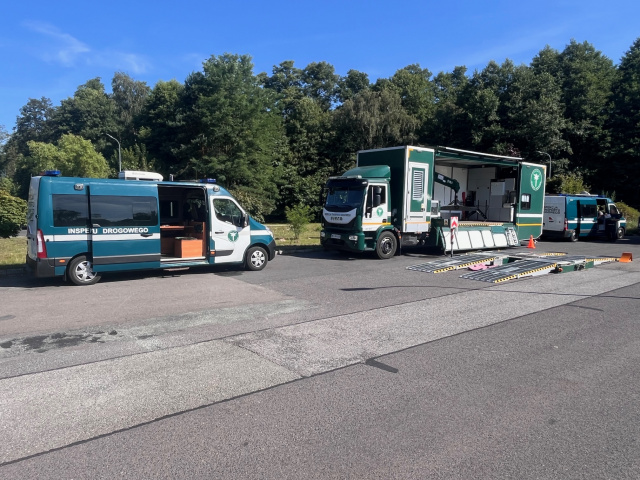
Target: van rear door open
125,227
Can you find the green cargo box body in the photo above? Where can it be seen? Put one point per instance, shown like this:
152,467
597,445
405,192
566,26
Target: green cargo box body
411,183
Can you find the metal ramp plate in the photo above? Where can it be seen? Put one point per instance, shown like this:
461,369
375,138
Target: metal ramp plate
457,262
513,270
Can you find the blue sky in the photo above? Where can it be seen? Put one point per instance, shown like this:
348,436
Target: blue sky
48,49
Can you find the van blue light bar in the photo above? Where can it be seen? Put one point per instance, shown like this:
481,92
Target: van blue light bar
207,180
52,173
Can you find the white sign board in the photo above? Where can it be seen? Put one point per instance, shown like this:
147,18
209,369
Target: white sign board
453,223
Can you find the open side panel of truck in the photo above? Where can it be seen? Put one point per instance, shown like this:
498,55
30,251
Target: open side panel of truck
530,201
418,188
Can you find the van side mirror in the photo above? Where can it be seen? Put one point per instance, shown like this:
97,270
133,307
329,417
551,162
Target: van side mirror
245,220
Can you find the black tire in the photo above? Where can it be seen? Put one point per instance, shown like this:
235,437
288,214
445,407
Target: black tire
618,234
572,237
256,259
80,272
386,246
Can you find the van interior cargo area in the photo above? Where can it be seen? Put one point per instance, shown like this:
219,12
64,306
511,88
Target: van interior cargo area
183,223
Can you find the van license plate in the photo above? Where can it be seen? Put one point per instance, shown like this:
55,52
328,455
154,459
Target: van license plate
335,235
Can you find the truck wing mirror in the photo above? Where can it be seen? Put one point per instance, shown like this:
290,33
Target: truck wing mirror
245,220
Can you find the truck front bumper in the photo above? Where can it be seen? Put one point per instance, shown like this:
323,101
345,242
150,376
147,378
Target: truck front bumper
350,242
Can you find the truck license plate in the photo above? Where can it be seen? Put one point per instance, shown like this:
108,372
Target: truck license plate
335,235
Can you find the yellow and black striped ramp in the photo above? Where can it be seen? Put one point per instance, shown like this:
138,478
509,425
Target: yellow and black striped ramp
457,262
513,270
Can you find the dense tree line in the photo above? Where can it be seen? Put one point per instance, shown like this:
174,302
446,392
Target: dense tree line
273,139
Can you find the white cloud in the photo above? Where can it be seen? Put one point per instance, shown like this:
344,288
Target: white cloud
68,51
121,61
61,47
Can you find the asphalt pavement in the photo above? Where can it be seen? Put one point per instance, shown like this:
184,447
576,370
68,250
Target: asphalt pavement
324,368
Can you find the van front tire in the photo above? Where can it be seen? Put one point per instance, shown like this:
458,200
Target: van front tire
256,259
80,272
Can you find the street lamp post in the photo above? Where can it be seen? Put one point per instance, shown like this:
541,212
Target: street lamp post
119,155
545,153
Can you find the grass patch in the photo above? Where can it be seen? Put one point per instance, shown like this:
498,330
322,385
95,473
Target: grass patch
283,234
13,252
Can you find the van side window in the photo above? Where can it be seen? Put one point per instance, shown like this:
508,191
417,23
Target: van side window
70,210
588,210
613,210
110,210
227,211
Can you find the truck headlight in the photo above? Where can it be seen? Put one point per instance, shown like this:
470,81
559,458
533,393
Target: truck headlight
322,234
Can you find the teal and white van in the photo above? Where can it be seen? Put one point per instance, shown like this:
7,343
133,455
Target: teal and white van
581,216
79,228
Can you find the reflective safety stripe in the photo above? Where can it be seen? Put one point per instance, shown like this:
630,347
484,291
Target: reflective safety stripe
100,237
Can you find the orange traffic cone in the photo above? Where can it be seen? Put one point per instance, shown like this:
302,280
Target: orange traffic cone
531,242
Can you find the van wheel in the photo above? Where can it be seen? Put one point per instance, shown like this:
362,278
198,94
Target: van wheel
256,259
619,233
80,272
573,237
387,245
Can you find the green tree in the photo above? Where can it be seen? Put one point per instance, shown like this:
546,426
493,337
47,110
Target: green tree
90,113
298,218
308,163
586,81
232,130
161,125
13,214
417,94
449,125
129,97
320,82
370,120
352,84
624,124
534,114
73,156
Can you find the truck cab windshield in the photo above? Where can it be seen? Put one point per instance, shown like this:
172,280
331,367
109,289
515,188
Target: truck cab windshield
345,197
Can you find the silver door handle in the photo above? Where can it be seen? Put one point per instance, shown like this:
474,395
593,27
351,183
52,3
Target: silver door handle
221,231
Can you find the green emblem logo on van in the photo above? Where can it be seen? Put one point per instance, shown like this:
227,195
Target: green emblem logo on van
379,212
536,179
232,236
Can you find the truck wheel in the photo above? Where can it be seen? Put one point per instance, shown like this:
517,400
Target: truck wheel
80,272
256,259
573,237
387,245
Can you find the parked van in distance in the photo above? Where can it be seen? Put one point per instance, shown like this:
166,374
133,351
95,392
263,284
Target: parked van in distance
580,216
79,228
